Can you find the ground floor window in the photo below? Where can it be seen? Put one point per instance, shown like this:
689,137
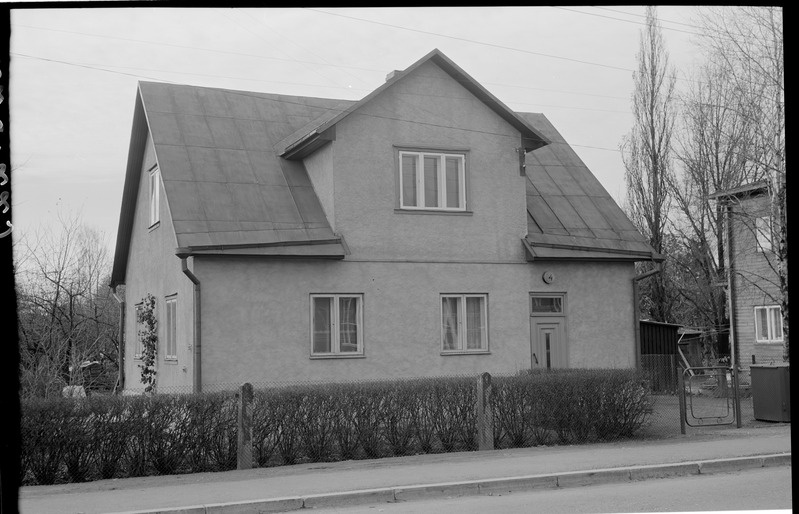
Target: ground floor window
768,324
336,324
171,328
464,323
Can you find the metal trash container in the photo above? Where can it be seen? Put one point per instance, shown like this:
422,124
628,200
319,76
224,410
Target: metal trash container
771,392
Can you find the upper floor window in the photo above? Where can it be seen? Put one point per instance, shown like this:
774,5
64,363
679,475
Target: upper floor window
171,328
763,233
336,325
154,180
432,181
768,324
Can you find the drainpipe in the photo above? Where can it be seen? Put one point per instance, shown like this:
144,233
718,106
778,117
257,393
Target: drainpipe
196,362
636,319
121,350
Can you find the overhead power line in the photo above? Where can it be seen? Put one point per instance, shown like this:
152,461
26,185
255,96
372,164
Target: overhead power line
246,94
483,43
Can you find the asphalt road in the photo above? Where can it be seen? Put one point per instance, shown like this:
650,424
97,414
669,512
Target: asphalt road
750,490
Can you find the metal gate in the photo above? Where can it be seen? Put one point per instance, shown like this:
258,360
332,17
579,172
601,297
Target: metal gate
709,396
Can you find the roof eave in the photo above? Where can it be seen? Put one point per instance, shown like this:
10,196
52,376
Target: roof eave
138,139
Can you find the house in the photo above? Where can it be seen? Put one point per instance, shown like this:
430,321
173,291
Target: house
753,291
424,230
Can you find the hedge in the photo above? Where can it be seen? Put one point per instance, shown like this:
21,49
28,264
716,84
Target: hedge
101,437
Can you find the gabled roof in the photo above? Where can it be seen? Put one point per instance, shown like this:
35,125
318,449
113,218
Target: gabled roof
229,191
310,137
570,216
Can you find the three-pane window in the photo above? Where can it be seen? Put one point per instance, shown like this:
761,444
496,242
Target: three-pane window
336,324
432,181
464,323
171,328
768,324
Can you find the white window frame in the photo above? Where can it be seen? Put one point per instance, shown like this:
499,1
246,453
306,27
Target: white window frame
335,344
560,296
138,349
763,233
171,326
155,196
463,329
442,181
770,328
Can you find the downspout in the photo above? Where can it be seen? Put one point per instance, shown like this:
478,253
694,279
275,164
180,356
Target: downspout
197,361
636,318
120,385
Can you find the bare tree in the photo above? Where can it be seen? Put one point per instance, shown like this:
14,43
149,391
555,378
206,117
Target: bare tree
712,148
747,42
647,153
65,313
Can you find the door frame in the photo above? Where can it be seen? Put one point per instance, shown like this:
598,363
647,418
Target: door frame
557,321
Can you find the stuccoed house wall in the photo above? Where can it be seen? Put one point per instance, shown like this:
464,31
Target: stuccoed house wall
256,317
755,282
153,268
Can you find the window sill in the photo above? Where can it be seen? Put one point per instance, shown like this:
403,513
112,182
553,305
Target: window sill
137,357
433,211
154,226
466,352
337,356
769,343
171,360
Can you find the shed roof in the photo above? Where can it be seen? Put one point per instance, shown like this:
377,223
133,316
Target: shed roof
569,214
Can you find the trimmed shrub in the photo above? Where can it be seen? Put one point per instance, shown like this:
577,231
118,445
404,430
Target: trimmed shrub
80,439
79,432
44,432
110,436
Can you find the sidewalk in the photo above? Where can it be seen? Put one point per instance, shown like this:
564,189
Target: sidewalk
328,484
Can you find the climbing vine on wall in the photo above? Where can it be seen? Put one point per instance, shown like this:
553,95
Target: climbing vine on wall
148,335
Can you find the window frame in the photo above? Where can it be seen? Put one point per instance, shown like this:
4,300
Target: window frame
170,327
441,183
463,328
764,234
155,196
335,343
560,295
770,326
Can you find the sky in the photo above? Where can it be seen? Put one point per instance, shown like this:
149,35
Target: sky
74,72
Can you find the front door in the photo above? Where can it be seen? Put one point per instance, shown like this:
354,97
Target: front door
547,343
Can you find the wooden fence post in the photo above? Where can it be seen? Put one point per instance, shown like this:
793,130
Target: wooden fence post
244,454
485,414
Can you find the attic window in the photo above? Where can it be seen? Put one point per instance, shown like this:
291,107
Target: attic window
154,196
432,181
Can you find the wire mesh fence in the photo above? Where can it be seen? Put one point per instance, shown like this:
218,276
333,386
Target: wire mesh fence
174,431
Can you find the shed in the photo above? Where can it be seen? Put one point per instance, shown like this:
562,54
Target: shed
659,354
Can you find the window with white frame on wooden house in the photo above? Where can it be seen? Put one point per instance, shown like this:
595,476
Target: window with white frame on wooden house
763,233
432,181
171,351
768,324
336,325
155,196
464,323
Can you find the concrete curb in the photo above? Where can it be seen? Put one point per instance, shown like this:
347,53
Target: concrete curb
485,486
